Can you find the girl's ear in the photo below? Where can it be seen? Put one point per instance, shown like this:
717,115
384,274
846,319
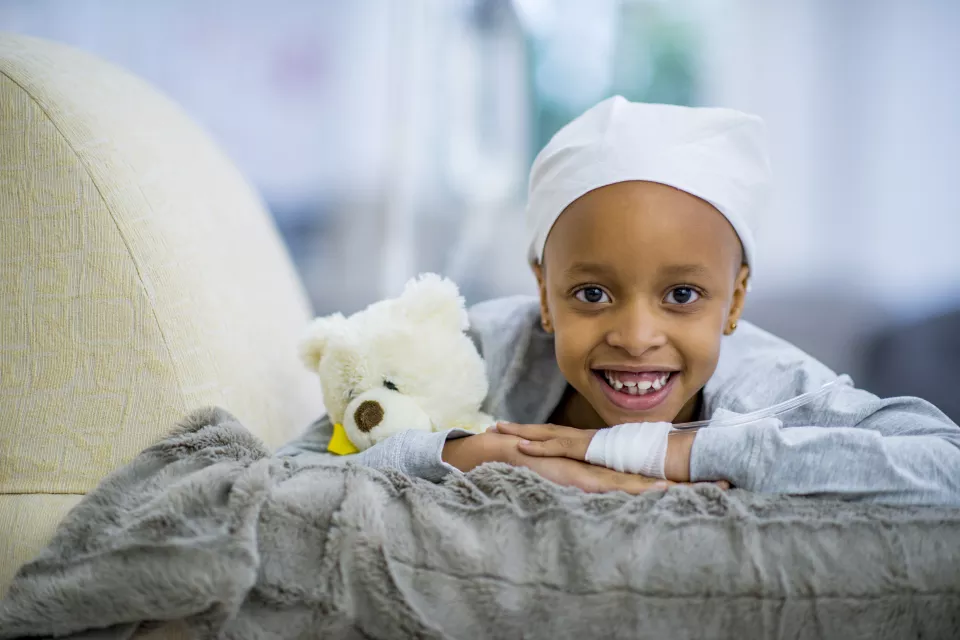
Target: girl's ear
545,319
317,336
739,299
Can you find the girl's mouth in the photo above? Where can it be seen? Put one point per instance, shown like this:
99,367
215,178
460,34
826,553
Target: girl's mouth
636,391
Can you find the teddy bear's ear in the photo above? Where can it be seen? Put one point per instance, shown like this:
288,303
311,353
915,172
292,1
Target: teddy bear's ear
317,337
430,297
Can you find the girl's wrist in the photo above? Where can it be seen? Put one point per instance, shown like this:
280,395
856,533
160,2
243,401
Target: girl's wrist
470,452
676,466
462,453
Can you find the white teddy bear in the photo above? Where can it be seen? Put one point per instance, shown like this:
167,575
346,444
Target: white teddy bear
400,364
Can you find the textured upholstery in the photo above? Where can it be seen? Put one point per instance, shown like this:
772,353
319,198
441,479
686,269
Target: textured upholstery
140,277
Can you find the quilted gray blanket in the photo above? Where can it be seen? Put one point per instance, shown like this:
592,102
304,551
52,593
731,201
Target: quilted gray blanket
207,528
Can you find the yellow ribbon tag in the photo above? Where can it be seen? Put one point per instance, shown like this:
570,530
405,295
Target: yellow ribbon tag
339,443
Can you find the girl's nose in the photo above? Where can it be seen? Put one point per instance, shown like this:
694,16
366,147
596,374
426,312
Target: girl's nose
636,330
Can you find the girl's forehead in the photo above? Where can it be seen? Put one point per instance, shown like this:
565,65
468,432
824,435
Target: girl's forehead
642,222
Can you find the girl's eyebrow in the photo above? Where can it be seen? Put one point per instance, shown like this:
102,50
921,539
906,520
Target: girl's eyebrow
674,270
603,270
589,268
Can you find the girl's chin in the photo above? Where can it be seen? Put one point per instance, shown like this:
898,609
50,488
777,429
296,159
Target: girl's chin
613,415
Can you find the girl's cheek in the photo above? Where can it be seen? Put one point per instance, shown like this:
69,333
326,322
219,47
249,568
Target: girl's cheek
707,349
700,343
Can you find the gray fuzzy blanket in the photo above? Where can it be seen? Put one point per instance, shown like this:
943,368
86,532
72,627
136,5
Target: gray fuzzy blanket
207,528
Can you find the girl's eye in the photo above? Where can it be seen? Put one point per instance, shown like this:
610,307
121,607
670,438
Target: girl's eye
592,295
682,295
390,385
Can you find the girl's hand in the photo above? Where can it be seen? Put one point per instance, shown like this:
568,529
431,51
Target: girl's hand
590,478
594,479
472,451
549,440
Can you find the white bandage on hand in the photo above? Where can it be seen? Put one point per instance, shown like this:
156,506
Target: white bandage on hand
633,448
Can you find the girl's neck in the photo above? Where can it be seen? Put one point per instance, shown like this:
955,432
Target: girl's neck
575,411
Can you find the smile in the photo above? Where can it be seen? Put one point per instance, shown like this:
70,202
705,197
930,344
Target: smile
636,384
636,391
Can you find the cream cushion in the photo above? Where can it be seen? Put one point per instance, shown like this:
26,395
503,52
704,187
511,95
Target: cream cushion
140,278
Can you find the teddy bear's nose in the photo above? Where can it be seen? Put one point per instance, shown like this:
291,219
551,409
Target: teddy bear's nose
368,415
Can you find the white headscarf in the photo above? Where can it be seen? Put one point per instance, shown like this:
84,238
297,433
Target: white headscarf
718,155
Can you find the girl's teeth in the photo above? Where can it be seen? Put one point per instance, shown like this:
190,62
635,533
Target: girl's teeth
636,388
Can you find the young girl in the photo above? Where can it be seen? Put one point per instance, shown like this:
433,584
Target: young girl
640,241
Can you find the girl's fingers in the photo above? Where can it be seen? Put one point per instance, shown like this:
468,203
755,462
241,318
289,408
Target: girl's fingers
606,480
590,478
527,431
556,448
640,484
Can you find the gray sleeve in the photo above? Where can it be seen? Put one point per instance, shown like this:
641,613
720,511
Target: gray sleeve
854,446
414,453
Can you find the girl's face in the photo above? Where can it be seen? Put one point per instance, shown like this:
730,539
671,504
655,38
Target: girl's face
638,283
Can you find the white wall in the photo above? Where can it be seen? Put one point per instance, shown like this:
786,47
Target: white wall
284,86
410,128
862,100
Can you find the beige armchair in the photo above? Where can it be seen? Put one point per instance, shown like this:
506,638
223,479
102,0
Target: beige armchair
140,278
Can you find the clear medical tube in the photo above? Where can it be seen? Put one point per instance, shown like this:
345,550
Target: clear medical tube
775,410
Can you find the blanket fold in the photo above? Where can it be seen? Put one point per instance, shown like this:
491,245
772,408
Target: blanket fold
208,529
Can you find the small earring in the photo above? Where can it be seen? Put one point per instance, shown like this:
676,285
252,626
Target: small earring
545,323
732,327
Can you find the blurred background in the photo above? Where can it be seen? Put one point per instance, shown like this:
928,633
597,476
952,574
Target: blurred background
391,137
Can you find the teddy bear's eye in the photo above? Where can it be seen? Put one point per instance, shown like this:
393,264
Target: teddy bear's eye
390,385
